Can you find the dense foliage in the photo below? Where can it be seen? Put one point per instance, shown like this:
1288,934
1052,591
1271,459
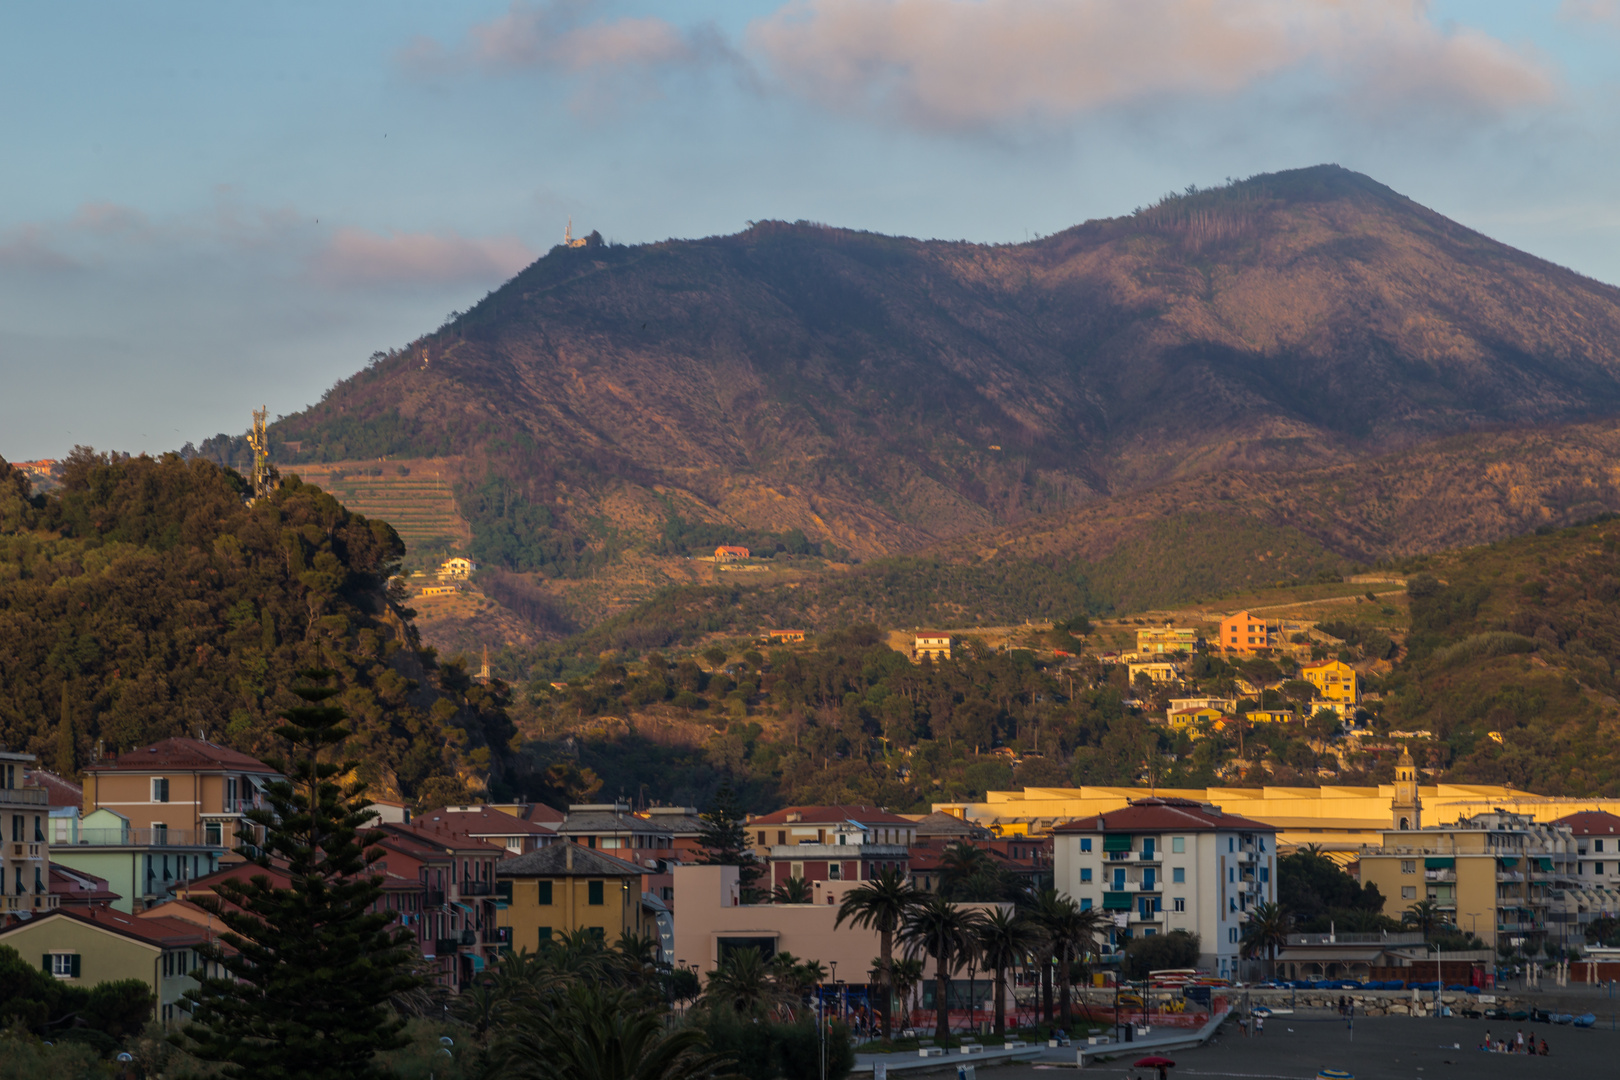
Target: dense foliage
144,598
101,1016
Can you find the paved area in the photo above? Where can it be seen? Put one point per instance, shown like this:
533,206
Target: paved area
1294,1048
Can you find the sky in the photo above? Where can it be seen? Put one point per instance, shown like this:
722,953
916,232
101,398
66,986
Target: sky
208,207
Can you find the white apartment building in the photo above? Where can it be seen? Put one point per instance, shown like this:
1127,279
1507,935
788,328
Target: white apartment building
25,857
1164,864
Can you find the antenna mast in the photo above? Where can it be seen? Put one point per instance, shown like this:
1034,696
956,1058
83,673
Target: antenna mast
265,477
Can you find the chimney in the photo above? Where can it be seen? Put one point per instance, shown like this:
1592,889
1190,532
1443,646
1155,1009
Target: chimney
568,855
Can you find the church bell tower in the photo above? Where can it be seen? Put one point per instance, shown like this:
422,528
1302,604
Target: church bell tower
1406,808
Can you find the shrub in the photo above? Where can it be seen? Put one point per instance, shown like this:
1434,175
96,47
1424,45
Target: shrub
1479,646
1177,949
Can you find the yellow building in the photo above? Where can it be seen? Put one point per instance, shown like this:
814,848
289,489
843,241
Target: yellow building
1335,681
1159,671
564,887
1270,716
1338,818
90,946
1188,720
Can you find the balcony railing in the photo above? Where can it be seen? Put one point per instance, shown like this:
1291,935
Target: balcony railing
477,888
24,796
500,935
446,946
433,897
146,838
26,850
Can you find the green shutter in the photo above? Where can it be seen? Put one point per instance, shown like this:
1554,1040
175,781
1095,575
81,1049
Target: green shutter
1117,842
594,893
545,936
1116,901
1440,864
74,970
545,893
46,963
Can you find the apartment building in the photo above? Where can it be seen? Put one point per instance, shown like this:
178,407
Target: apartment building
1499,875
25,857
1247,633
1165,864
1338,687
1159,640
831,843
193,790
931,644
557,890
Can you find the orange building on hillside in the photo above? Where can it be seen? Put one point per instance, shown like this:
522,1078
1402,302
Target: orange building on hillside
1244,632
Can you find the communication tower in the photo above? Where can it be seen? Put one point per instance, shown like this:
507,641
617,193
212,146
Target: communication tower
568,236
265,476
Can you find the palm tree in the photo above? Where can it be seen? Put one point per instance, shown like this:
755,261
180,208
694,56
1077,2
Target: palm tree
961,863
590,1032
1046,915
1068,932
944,931
908,974
1266,931
882,904
743,982
1004,940
1425,915
795,890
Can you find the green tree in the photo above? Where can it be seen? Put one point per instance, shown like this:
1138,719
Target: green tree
881,904
725,840
1003,940
795,890
944,931
1177,949
1264,932
743,983
311,967
1426,915
594,1032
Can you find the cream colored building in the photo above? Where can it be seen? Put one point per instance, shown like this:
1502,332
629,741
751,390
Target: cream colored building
932,643
1339,818
1160,671
1159,640
25,857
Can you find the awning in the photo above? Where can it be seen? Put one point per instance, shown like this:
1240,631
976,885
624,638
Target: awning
1440,864
1545,864
1117,842
1310,955
1116,901
462,906
1507,861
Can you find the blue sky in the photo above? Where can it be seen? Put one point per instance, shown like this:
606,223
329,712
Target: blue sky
214,206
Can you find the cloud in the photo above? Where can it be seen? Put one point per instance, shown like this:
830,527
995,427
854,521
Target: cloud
558,36
1597,11
360,257
31,247
965,65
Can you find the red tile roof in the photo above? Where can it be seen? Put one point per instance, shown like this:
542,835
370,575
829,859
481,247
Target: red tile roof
59,790
1164,815
77,887
832,815
1591,823
483,821
435,836
164,932
181,753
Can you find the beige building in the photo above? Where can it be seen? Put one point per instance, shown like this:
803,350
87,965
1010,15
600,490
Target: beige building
25,858
90,946
1497,875
935,644
1160,671
566,887
1157,640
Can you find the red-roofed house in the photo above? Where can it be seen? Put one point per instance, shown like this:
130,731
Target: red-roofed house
194,790
831,843
74,888
517,835
1163,864
457,924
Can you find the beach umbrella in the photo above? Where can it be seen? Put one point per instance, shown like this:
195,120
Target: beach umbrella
1334,1074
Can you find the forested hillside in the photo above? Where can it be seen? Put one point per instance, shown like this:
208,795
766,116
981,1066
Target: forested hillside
144,598
880,394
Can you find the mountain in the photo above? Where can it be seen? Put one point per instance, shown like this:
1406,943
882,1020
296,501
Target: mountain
840,391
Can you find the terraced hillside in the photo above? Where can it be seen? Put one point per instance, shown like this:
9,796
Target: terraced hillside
413,495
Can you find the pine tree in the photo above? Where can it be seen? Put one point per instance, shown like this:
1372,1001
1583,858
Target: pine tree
310,968
67,764
725,840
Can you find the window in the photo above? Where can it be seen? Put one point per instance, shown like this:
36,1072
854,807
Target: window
835,871
1408,892
1085,843
1147,847
16,828
593,892
1085,873
1597,845
1231,843
1158,904
160,789
1597,868
545,934
213,833
1408,866
1149,879
762,839
1232,935
63,965
1085,903
1180,903
545,893
1231,874
781,836
1265,874
160,835
1178,875
1178,845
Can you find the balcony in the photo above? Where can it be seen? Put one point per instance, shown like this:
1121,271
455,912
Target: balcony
1439,875
1125,887
26,851
500,935
1135,857
446,946
433,898
23,796
144,838
477,888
